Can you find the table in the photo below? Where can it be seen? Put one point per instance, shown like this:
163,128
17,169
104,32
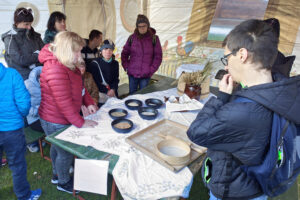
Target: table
91,153
86,153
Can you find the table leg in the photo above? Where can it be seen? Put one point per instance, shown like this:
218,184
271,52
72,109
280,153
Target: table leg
42,150
113,190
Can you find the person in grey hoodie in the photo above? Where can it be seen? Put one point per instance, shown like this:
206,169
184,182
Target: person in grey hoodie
22,43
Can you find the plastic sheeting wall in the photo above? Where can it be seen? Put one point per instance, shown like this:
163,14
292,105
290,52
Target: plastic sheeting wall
182,25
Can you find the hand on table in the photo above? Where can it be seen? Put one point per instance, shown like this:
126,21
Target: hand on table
111,93
89,124
92,109
85,111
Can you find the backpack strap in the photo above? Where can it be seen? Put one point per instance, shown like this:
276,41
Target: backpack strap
130,40
103,80
153,40
280,159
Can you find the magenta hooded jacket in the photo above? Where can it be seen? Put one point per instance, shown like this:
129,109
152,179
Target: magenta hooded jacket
141,58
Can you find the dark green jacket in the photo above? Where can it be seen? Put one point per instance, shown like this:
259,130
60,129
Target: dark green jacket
49,36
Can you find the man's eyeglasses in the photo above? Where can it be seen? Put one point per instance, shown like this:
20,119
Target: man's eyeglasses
25,11
224,59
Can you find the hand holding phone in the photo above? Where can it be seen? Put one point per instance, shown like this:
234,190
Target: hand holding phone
226,84
220,74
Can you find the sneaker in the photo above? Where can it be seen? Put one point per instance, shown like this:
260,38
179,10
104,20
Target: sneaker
54,179
43,143
35,194
3,161
68,187
32,148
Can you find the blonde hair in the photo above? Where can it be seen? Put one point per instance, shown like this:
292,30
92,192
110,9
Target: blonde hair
64,46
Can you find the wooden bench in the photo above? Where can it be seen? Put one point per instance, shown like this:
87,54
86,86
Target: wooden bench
32,136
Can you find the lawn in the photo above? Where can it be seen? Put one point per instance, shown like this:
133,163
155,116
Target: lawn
41,179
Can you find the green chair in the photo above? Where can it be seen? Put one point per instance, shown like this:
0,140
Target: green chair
32,135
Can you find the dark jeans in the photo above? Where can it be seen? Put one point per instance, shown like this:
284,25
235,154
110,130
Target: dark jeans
14,145
61,159
136,84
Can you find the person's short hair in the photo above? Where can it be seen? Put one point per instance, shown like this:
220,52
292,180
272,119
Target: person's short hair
64,46
274,23
94,34
258,38
55,17
22,15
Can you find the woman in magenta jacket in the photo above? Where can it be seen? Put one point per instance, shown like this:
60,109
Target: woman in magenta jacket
142,54
62,94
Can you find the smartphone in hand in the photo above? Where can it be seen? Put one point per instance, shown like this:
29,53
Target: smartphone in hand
220,74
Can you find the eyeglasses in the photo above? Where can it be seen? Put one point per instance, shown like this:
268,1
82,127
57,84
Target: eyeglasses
224,59
144,26
25,11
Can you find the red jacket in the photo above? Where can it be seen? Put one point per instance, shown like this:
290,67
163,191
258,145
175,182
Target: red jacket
61,91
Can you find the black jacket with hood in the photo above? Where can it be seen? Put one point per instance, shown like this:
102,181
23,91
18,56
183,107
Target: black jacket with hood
20,45
238,133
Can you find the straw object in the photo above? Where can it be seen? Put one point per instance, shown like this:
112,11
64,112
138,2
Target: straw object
196,78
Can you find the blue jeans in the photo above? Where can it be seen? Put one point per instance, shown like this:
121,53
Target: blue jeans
14,145
136,84
262,197
61,159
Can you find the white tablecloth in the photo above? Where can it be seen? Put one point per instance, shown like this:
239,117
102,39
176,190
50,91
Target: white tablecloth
136,175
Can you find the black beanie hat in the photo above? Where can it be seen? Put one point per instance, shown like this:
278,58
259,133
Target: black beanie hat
142,19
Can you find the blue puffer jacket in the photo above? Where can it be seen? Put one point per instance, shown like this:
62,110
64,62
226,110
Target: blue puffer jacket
33,86
14,99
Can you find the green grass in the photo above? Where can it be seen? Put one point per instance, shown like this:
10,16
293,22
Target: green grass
41,180
49,192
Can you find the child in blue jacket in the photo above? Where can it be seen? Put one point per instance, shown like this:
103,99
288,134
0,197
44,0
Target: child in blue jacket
14,106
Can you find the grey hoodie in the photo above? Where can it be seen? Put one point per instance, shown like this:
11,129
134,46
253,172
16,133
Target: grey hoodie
20,45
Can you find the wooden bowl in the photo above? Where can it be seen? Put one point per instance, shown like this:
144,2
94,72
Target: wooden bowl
174,151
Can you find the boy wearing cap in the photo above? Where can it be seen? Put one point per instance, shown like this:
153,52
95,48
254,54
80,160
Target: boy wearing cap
142,54
105,70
